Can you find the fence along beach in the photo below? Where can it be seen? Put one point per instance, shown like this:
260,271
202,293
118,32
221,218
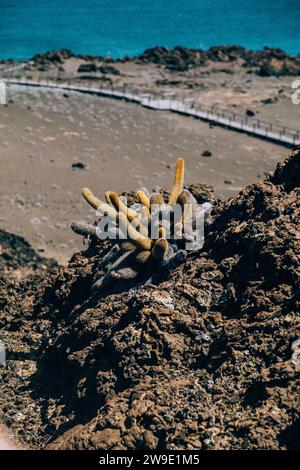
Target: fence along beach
281,135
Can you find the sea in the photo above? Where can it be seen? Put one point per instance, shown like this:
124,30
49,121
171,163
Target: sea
127,27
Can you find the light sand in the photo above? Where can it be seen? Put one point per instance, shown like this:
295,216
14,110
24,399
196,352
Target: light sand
123,147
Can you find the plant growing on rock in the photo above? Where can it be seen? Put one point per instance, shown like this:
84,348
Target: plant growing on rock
150,237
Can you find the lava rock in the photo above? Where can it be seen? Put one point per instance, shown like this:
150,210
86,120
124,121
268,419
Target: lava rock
78,166
109,69
87,68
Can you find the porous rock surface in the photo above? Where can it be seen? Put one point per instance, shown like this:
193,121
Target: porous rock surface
201,361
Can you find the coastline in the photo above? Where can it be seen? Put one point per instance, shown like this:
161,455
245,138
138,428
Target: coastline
231,77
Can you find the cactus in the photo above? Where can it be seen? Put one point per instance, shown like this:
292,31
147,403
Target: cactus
143,198
96,203
143,256
119,206
160,249
178,181
156,199
84,230
138,257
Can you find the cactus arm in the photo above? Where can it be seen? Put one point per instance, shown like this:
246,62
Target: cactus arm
120,206
160,249
178,181
127,246
124,273
84,229
143,198
139,240
107,197
144,221
183,199
156,199
143,256
97,203
162,232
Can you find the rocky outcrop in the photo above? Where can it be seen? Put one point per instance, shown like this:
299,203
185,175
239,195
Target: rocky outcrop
267,62
109,70
54,57
202,360
87,68
277,68
177,59
17,254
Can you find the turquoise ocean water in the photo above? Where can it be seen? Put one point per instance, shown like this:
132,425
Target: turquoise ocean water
120,27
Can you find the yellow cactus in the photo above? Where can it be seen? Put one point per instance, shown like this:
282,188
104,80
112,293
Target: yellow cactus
178,181
156,199
143,221
97,203
143,198
160,249
120,206
137,250
183,199
143,256
140,241
162,232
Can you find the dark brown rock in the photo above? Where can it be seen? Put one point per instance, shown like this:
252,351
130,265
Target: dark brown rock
206,153
109,69
87,68
202,360
56,57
